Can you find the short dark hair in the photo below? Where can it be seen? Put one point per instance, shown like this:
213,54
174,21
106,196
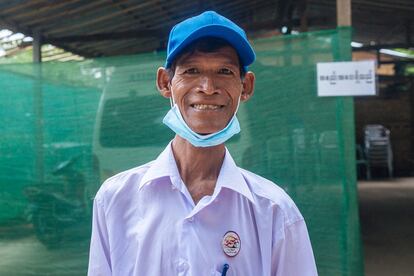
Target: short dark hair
204,45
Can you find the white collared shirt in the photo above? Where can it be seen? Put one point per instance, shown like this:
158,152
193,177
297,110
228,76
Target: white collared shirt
146,223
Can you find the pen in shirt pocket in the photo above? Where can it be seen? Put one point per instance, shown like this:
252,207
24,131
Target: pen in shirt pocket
225,268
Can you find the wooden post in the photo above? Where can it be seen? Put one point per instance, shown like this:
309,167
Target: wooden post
343,12
345,107
303,13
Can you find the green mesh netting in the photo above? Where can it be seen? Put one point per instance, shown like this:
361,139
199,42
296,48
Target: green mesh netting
65,127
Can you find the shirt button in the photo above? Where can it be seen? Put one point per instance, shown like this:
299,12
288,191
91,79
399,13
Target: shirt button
183,265
191,219
173,187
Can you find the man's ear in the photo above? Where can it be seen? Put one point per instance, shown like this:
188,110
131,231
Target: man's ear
163,82
248,86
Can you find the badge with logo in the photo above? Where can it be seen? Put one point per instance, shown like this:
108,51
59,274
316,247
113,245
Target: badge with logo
231,243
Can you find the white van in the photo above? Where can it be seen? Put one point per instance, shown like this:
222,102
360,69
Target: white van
128,130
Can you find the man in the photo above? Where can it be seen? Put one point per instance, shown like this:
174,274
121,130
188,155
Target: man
192,211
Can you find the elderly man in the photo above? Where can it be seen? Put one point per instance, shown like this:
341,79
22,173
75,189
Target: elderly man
192,211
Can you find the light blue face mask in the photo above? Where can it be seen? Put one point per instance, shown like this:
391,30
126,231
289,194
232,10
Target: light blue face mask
175,121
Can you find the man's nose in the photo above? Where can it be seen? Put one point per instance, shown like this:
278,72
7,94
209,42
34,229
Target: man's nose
208,85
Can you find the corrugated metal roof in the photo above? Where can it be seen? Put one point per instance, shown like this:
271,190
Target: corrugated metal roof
106,28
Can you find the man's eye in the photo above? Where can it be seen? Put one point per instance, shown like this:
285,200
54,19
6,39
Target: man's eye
191,71
225,71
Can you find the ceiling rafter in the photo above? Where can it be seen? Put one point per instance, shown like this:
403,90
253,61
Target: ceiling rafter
109,27
52,15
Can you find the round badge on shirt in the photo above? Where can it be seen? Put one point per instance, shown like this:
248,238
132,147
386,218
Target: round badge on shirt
231,243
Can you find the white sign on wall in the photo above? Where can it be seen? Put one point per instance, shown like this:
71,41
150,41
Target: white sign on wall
350,78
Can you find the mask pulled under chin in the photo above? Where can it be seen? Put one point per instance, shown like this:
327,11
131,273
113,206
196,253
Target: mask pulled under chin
176,123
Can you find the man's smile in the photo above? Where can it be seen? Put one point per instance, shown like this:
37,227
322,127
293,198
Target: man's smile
206,106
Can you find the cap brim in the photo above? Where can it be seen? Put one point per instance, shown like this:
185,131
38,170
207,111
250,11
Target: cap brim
239,43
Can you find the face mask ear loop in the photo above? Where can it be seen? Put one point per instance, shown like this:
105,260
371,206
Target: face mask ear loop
238,105
172,103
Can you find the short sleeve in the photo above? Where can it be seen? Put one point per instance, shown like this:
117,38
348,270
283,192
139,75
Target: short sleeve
292,254
99,254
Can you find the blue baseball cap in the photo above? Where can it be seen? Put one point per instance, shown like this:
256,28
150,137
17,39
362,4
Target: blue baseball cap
209,24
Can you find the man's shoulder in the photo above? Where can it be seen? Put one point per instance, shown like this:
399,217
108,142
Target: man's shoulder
268,193
125,182
264,187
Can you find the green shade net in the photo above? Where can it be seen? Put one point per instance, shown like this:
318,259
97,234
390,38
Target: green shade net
66,127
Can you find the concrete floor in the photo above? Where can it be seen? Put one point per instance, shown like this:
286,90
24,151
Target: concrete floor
22,254
387,226
27,256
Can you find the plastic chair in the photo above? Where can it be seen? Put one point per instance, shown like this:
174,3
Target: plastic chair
378,149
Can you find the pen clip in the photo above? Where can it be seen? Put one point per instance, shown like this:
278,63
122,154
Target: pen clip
225,268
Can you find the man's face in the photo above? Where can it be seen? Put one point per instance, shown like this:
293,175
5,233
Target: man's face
206,87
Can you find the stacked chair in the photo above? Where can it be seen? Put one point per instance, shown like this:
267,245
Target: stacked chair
377,149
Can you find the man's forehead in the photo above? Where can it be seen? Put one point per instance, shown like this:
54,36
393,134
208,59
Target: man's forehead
226,55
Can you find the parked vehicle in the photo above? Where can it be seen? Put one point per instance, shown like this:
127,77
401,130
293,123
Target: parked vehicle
128,128
61,208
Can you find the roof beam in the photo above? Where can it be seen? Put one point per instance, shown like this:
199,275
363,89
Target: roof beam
159,33
109,36
57,14
15,7
79,25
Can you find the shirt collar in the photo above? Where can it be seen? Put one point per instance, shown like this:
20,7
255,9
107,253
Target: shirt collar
163,166
229,177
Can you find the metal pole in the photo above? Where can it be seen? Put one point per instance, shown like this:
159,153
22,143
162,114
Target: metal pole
38,106
37,47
